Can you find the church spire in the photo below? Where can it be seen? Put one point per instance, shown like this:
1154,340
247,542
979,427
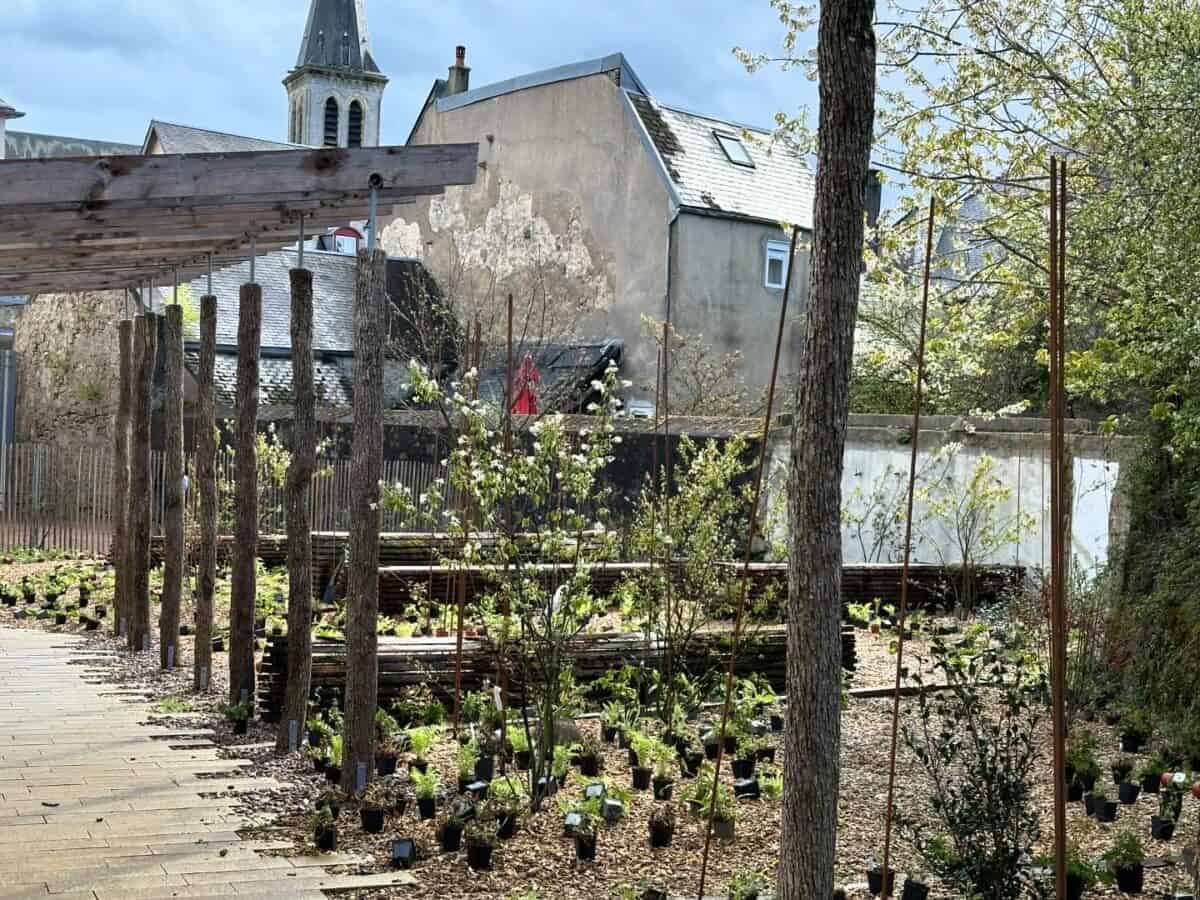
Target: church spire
336,37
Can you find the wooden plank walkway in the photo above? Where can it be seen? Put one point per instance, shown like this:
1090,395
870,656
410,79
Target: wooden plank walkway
98,802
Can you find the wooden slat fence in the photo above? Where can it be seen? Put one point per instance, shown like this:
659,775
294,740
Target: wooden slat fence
54,498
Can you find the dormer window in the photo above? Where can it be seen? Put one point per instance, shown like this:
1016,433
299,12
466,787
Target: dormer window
735,150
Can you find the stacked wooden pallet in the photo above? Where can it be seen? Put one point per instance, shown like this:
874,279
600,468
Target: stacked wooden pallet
430,662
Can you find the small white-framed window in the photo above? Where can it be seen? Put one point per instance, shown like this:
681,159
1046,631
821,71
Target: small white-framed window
735,150
777,264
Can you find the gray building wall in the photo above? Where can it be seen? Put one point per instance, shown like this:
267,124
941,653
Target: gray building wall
564,177
718,289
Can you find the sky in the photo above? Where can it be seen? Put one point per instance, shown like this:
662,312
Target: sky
102,69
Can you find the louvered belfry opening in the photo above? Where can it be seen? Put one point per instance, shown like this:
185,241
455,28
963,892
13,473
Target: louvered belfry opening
331,122
356,125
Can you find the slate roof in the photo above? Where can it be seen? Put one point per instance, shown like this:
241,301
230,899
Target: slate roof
779,187
174,138
333,380
336,37
28,145
333,298
567,372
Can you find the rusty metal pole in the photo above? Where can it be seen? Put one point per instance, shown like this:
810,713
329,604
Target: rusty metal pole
908,520
745,574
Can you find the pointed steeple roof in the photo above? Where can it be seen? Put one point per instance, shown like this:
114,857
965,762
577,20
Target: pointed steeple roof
336,37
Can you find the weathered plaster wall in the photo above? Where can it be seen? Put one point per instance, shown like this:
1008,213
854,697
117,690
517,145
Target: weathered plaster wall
566,205
67,376
877,450
718,289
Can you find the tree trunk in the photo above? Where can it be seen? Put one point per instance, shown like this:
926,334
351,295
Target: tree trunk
206,484
120,539
140,489
172,591
243,582
808,837
366,464
299,517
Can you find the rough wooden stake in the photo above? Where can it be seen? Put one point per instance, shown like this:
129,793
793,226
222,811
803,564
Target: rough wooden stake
245,544
206,484
138,613
172,591
120,545
299,515
366,463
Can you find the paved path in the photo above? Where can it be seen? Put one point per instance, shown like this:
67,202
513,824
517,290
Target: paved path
95,803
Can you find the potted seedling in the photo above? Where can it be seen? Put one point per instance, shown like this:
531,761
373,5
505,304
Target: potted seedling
481,840
1121,769
876,878
666,764
1149,776
611,720
915,888
1081,876
420,740
519,741
324,828
724,812
1125,861
1135,730
1162,826
641,758
1104,809
1074,790
505,805
333,768
591,756
662,825
378,799
425,786
584,834
238,714
1127,792
450,832
745,886
468,754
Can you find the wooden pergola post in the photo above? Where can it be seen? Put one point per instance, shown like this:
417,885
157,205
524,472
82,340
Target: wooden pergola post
206,484
120,537
366,464
172,590
299,516
245,539
145,342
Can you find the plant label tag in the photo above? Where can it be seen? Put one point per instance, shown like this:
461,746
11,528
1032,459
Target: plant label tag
170,657
245,694
146,643
362,776
293,734
204,678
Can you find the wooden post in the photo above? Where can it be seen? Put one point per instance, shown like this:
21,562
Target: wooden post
366,462
245,538
140,485
172,591
299,517
120,533
206,484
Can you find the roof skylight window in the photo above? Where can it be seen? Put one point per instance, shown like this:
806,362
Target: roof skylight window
735,150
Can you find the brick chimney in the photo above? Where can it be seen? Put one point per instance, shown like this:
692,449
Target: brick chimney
460,73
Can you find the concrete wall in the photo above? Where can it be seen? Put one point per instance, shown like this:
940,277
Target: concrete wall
566,196
877,452
718,290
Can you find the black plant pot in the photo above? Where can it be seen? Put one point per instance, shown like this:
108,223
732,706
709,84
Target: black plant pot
723,829
692,761
372,819
589,765
506,826
60,619
385,765
523,759
427,806
663,788
240,725
325,839
776,723
485,768
463,784
765,754
608,733
333,774
1089,804
1075,887
747,788
1162,829
185,630
419,764
622,740
585,846
1151,784
742,768
1129,880
660,835
1068,773
404,853
479,856
1132,742
1106,811
641,778
1120,775
710,751
451,837
914,890
875,881
218,645
92,624
730,744
1074,791
1127,792
319,763
1088,782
